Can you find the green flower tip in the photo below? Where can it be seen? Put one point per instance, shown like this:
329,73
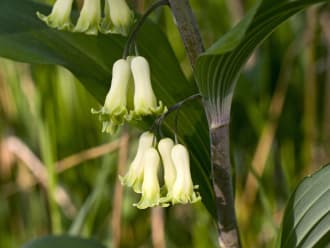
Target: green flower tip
60,16
134,176
114,111
121,103
145,102
182,190
150,186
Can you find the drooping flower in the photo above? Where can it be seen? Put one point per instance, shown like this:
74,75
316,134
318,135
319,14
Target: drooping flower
114,110
134,176
90,17
60,16
145,102
150,186
118,17
183,188
165,147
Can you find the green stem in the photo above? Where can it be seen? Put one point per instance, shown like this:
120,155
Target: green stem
159,121
139,24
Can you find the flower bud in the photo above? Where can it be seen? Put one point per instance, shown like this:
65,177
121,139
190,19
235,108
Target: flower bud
90,17
60,16
150,187
165,147
145,102
114,110
118,17
183,189
134,176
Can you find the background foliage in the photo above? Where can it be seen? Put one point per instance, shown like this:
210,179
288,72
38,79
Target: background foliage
280,128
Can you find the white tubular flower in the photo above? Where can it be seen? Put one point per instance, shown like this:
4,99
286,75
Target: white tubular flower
150,187
165,147
90,17
60,16
183,188
145,102
114,110
118,17
134,176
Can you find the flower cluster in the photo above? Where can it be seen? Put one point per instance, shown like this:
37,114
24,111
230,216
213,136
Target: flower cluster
142,175
118,106
117,17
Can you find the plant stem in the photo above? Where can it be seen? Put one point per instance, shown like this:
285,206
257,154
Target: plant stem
139,24
221,169
187,26
159,121
223,188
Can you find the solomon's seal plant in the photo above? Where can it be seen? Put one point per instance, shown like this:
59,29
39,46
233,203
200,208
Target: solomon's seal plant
132,98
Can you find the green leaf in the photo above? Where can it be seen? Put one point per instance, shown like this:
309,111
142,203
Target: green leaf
63,242
218,69
24,37
306,221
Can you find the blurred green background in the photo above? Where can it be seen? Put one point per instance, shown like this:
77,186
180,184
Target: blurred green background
280,132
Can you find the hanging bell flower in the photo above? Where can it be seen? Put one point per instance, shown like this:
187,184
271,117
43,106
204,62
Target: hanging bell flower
90,18
165,147
134,176
145,102
150,187
183,188
60,16
113,113
118,17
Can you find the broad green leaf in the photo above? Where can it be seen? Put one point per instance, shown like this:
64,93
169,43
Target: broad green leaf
232,39
63,242
218,69
306,221
25,38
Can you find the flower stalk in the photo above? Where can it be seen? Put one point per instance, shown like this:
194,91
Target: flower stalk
139,24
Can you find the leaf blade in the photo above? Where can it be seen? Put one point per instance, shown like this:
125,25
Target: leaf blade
307,213
218,69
